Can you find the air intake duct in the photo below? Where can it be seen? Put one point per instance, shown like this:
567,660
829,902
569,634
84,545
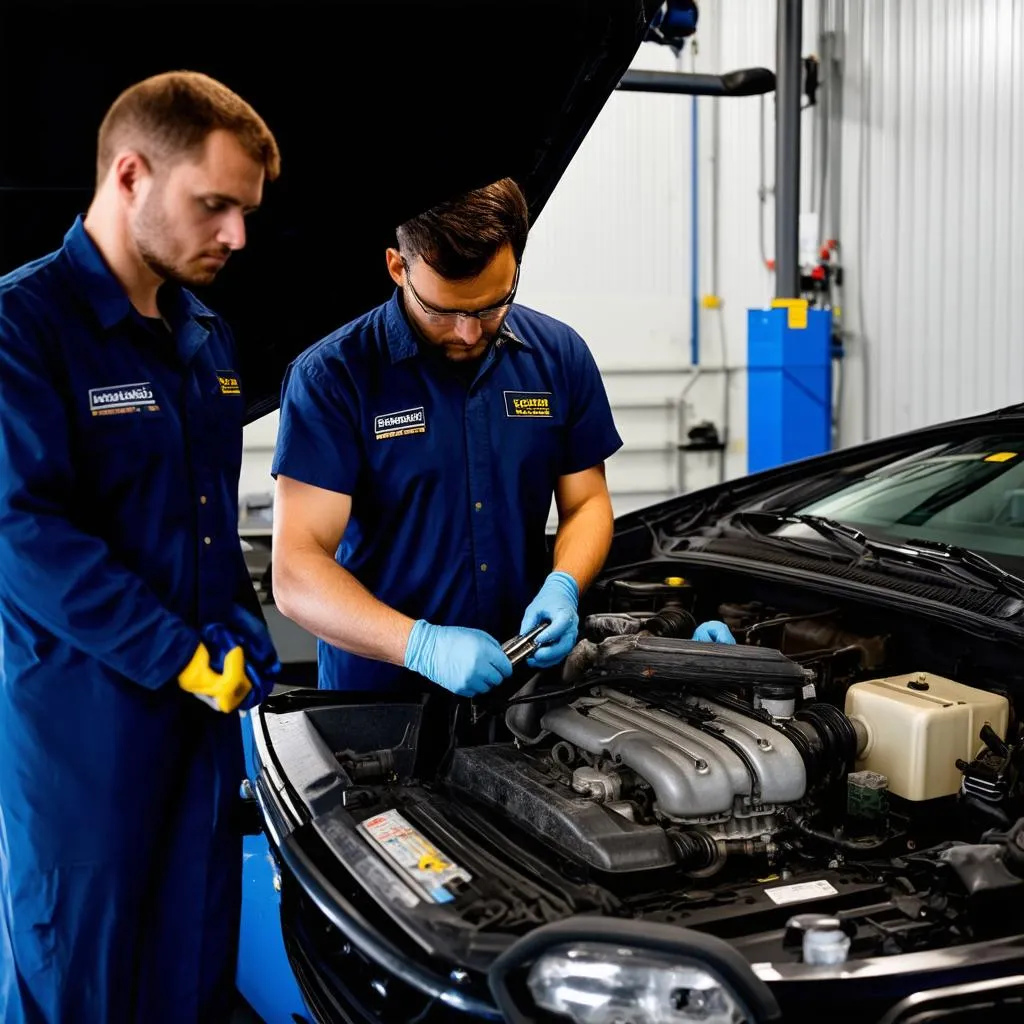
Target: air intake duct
826,740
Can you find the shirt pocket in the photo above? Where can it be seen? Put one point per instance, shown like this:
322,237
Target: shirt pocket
415,454
220,417
529,429
126,440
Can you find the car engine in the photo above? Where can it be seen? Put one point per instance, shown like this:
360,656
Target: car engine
656,751
833,759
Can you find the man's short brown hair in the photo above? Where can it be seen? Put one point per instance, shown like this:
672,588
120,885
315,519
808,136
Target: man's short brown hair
170,116
458,238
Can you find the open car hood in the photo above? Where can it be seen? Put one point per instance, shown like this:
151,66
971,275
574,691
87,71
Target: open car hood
381,110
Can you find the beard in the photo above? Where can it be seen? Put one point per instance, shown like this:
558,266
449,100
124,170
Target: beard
455,349
163,254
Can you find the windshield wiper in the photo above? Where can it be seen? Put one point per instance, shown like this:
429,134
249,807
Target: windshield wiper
846,538
977,566
959,563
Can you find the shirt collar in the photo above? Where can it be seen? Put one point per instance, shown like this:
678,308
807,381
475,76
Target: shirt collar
401,338
97,285
511,337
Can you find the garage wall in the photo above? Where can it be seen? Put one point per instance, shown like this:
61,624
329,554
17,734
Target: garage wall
933,202
611,253
932,231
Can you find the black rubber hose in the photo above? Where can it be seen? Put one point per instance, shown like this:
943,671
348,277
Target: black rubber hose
694,850
571,691
799,822
668,622
826,740
671,622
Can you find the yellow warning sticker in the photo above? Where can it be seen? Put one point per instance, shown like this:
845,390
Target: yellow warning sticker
1001,457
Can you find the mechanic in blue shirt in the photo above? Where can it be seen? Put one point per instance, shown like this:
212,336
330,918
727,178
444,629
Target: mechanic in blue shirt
418,451
123,590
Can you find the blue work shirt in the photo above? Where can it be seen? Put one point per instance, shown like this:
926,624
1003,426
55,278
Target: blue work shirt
120,447
451,476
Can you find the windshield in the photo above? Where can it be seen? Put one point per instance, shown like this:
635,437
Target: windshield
968,493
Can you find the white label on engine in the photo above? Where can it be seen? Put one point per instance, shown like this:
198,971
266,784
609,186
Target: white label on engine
800,892
810,693
418,858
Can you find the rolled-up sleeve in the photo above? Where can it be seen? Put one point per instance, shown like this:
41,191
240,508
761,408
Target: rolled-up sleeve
591,435
317,442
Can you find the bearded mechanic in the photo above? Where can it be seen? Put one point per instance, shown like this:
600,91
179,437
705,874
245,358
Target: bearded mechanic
418,451
123,591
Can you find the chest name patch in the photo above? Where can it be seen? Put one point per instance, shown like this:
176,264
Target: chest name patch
228,382
529,404
123,399
400,424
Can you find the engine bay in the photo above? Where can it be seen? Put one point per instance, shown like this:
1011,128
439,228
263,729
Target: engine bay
820,764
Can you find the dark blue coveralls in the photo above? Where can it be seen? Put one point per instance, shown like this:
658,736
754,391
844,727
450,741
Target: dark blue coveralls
120,447
451,475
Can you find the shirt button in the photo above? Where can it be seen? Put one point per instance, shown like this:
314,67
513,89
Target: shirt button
202,499
206,540
483,567
479,505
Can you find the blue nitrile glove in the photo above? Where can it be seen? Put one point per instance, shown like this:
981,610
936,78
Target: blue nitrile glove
261,664
466,661
714,632
556,603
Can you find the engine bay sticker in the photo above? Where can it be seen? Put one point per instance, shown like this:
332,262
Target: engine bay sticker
366,866
421,861
801,891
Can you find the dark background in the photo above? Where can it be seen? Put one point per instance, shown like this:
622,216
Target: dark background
380,109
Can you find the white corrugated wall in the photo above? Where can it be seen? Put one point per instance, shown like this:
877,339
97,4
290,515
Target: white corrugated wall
931,231
933,207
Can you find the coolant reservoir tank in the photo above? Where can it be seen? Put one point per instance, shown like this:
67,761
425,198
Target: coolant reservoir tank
918,725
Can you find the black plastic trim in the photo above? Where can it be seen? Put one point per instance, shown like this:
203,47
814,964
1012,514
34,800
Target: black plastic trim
979,997
337,909
832,586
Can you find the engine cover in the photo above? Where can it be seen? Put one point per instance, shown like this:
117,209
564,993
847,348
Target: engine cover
629,778
702,764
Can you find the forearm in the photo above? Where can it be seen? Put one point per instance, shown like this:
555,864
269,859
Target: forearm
583,540
314,591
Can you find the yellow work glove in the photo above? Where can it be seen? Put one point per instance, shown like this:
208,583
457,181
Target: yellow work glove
223,690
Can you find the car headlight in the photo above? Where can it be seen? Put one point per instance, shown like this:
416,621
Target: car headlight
597,983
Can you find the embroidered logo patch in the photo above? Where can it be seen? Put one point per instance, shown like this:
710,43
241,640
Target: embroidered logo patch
228,382
122,399
400,424
530,404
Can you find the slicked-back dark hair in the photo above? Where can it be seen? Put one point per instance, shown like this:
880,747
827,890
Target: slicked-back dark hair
459,237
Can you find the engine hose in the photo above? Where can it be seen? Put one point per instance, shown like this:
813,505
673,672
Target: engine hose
799,822
671,622
694,850
826,739
572,691
668,622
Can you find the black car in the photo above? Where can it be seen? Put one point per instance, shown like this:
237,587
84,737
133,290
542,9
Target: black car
821,822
